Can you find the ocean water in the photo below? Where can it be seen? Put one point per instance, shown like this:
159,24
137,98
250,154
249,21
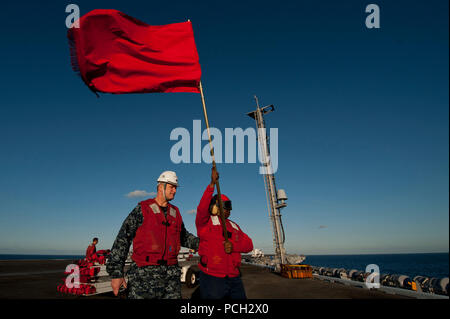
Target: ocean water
428,265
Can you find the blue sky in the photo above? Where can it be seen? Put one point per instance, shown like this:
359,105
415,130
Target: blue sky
362,118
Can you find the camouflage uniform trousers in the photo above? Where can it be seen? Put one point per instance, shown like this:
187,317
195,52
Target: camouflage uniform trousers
154,282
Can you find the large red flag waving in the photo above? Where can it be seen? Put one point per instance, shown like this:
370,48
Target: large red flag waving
116,53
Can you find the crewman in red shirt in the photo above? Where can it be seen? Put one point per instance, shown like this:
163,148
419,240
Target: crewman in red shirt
91,248
219,259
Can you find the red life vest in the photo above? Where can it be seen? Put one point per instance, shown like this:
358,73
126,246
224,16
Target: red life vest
213,259
157,240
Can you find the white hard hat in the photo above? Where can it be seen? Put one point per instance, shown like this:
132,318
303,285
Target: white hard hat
168,177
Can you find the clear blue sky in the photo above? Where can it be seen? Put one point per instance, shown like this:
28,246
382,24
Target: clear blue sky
362,118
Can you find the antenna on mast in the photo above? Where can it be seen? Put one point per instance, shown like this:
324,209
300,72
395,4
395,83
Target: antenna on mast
275,200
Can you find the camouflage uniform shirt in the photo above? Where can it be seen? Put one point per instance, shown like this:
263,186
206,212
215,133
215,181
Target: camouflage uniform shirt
160,281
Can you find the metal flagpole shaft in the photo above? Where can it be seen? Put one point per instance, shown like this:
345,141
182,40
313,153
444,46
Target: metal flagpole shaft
219,195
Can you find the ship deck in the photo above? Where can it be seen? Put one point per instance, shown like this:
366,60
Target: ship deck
38,280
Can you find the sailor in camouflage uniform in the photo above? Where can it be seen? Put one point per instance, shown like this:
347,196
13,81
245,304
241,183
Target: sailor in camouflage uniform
154,272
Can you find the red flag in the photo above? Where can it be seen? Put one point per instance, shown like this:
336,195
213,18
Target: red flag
116,53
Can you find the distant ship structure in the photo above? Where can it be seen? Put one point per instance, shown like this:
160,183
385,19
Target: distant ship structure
257,257
257,253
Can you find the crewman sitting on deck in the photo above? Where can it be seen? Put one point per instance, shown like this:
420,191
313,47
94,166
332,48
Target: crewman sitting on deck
91,250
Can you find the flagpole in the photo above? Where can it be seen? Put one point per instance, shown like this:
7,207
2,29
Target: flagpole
219,196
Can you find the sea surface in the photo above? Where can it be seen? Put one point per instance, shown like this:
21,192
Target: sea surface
428,265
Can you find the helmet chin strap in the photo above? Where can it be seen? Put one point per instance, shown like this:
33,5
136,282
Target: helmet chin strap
165,198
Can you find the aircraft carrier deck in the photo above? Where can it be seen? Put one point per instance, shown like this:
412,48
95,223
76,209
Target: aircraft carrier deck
39,279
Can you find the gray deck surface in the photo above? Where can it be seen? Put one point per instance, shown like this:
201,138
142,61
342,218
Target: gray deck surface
38,280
